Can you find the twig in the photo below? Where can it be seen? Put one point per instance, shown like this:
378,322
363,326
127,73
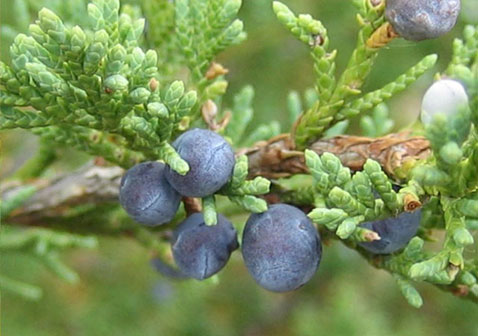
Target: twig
276,158
93,184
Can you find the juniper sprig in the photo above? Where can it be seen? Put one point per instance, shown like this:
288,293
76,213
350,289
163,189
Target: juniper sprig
123,82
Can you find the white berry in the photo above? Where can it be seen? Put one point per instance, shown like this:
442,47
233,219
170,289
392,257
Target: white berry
445,96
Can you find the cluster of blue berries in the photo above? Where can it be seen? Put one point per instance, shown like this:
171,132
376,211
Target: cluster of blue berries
150,192
281,247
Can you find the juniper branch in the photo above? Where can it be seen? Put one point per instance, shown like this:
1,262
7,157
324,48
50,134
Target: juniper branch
97,185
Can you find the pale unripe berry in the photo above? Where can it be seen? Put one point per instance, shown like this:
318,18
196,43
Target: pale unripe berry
445,96
418,20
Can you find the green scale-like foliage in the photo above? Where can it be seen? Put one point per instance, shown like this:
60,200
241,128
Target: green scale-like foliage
42,244
344,200
84,83
337,98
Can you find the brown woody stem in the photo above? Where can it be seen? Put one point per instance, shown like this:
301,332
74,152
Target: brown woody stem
276,158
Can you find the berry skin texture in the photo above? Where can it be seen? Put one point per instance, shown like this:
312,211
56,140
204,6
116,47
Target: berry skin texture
418,20
146,195
166,270
211,162
281,248
201,251
445,96
395,232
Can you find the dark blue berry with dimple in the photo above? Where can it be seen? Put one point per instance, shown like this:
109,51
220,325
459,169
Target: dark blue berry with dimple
281,248
395,232
147,196
422,19
211,162
201,251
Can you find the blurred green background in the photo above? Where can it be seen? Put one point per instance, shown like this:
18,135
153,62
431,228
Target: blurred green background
120,294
